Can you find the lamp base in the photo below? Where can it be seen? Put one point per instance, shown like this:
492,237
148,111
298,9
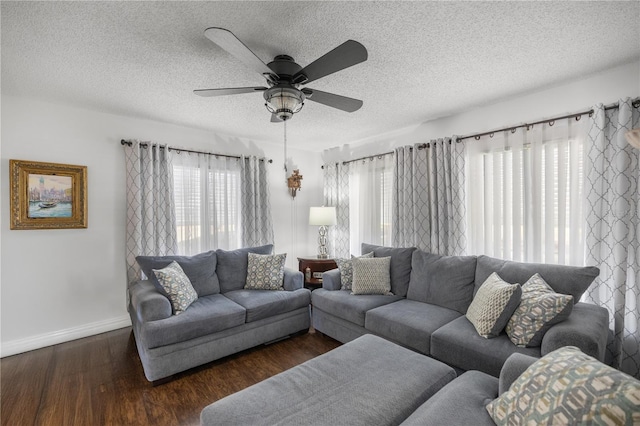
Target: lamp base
323,256
322,242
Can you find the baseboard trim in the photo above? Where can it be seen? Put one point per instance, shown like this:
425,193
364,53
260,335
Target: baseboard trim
49,339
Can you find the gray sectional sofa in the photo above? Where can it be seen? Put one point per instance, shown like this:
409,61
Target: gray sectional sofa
224,319
431,295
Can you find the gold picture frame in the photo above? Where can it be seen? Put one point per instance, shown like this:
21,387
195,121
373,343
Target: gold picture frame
47,195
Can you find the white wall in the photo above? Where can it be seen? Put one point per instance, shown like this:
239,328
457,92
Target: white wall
59,285
605,87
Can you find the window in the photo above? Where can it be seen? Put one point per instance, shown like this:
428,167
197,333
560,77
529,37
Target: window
207,203
526,194
370,186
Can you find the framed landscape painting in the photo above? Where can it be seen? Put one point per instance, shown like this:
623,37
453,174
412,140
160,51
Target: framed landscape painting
47,195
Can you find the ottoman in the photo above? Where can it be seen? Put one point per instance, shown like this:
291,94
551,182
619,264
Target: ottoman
368,381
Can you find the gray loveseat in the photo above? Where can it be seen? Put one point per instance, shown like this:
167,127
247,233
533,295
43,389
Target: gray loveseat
431,295
225,318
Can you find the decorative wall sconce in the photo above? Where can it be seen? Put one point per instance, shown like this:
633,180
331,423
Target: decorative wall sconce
294,183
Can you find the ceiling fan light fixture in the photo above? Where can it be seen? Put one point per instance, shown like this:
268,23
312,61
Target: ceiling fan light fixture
284,101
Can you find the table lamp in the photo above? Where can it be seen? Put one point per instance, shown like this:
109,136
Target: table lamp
322,217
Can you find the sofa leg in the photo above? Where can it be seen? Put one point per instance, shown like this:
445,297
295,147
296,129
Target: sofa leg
162,381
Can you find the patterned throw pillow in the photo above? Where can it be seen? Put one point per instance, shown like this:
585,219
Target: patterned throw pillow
371,275
493,305
177,286
346,270
567,387
540,308
265,271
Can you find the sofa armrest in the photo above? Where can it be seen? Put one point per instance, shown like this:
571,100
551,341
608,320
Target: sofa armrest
148,303
331,280
513,367
586,328
293,279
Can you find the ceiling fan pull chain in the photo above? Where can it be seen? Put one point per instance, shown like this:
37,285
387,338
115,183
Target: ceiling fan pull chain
285,146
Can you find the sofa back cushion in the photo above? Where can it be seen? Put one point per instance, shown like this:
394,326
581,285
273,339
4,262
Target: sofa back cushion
232,266
573,280
446,281
400,265
200,269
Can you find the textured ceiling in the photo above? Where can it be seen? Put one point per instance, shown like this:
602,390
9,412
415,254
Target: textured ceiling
426,59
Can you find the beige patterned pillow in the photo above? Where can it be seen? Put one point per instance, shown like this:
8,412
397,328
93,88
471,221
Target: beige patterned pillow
346,270
371,276
265,271
493,305
177,286
540,308
567,387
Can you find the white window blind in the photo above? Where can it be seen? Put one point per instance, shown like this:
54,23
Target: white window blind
526,194
207,202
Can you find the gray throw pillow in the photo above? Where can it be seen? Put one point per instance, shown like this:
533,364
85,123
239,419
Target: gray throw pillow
232,266
346,270
265,271
493,305
371,276
200,269
540,308
177,286
400,265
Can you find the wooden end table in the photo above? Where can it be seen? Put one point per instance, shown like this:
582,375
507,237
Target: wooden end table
317,267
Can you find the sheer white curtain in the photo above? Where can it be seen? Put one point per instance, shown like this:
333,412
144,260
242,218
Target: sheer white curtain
207,191
370,187
526,193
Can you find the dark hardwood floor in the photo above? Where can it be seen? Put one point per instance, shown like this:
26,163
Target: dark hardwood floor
99,381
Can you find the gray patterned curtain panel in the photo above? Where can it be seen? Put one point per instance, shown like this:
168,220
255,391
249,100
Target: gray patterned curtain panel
613,228
336,194
429,191
257,225
151,222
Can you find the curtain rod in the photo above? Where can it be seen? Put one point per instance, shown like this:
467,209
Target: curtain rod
635,103
179,150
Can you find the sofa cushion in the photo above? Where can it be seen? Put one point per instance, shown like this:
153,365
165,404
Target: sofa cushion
201,270
493,305
569,387
408,322
350,307
400,265
232,266
459,344
460,402
207,315
265,271
346,270
573,280
177,286
540,308
261,304
445,281
371,276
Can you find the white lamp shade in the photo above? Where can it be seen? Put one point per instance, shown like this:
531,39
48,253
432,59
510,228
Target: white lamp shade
322,216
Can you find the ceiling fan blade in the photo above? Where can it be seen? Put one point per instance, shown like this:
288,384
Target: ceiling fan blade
228,91
344,56
232,44
333,100
275,119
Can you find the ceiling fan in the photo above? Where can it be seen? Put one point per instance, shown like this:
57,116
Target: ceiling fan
283,96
